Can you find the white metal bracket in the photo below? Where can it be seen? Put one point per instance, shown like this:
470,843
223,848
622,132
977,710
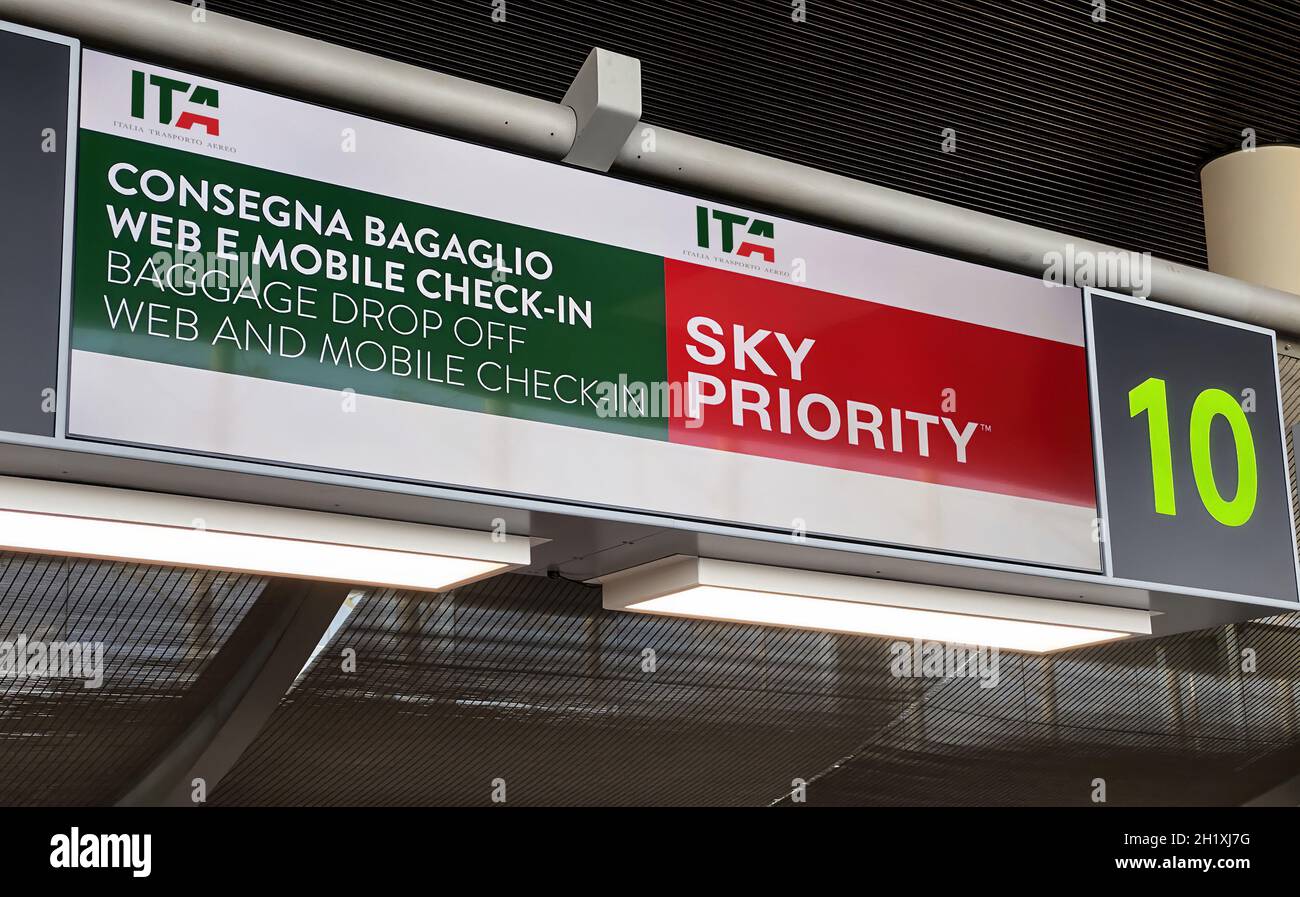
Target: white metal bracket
606,98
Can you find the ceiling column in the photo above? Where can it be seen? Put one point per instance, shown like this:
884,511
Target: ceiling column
1252,216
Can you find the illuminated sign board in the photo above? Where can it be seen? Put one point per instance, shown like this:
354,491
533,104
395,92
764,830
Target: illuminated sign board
260,280
302,286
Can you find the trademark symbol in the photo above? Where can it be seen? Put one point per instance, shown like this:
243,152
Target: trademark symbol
987,428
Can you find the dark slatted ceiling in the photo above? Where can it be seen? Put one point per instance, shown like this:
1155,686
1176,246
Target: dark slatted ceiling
63,744
1095,129
530,681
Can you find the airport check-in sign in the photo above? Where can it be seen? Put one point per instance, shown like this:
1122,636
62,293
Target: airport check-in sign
1194,457
262,279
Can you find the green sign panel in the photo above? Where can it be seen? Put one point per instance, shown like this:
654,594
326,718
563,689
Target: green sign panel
203,262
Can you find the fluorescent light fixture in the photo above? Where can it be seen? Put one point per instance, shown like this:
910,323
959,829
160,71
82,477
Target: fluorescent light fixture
123,524
778,596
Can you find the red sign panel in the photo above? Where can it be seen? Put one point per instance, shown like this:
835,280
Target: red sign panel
788,372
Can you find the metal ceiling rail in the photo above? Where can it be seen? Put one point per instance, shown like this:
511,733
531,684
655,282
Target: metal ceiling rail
302,66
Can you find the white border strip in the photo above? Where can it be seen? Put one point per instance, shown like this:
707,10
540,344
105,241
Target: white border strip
250,418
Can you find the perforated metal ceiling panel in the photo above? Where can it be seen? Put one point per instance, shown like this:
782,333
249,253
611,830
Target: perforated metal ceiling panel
1094,128
64,744
530,682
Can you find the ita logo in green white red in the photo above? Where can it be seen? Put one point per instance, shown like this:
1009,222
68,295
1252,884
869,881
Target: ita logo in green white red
164,99
734,234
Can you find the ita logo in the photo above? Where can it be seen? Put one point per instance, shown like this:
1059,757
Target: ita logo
165,98
736,234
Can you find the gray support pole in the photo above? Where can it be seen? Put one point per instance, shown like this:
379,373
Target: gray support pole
245,52
215,739
762,182
160,30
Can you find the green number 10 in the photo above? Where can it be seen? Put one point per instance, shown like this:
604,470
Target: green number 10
1150,397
